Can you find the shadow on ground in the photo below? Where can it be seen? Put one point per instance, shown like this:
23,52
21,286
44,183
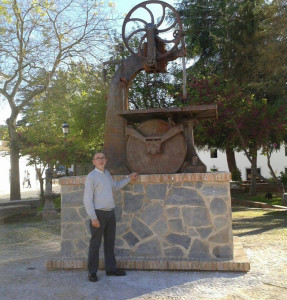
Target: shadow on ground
26,242
251,221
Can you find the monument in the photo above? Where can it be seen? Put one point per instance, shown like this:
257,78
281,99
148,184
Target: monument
145,140
175,216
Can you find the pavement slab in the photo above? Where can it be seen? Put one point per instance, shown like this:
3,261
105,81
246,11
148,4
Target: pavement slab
26,243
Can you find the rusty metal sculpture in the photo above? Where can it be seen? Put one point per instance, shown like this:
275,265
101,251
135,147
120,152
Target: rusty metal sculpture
152,48
150,141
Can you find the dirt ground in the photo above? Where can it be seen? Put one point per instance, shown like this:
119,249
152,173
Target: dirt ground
26,242
263,234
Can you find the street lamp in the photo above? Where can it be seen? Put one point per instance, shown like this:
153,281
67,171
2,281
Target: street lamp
65,128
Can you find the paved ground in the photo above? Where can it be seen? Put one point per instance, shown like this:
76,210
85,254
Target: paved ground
28,193
24,245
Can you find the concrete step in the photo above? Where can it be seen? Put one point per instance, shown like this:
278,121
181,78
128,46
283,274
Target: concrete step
249,203
31,202
13,210
262,187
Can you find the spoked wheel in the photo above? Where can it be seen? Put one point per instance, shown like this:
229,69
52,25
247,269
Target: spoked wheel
153,153
152,15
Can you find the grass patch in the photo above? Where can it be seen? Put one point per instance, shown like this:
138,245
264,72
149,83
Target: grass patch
246,221
56,201
260,197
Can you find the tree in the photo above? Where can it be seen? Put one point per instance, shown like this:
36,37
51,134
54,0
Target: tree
76,96
154,90
37,36
216,133
242,42
147,90
3,132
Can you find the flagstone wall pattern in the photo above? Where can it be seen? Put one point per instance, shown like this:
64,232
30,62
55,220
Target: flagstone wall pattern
178,216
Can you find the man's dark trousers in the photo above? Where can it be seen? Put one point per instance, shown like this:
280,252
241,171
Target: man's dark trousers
107,229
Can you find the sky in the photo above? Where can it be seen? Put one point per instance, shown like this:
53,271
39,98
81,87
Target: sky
125,6
4,111
122,6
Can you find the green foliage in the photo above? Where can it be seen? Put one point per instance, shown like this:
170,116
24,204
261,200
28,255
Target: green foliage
153,90
243,44
260,123
229,37
37,37
3,132
236,175
77,96
283,178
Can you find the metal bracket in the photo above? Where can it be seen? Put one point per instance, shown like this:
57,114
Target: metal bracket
153,143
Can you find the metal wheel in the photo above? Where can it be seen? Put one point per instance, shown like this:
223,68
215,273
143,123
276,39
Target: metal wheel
147,17
142,156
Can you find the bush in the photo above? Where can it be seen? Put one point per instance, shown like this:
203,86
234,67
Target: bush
283,178
236,175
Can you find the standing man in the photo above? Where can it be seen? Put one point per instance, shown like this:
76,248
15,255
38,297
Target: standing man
99,204
24,179
28,180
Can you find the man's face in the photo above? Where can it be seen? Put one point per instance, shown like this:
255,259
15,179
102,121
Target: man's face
99,161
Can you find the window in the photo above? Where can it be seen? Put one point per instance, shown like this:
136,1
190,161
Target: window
248,173
213,153
285,150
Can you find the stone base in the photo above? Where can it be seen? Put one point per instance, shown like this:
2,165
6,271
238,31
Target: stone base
49,214
164,222
240,263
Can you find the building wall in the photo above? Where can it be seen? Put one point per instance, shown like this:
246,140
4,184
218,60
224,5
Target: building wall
5,173
278,162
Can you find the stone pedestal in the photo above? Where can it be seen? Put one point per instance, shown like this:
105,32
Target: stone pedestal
172,222
49,210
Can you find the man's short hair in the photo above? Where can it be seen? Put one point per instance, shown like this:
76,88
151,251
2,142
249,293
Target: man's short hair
99,152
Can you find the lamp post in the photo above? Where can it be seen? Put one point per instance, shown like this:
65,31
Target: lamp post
66,130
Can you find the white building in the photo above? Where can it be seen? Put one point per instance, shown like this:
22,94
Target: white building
5,171
215,160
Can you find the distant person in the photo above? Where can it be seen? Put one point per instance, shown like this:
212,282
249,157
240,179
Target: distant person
99,204
28,180
24,179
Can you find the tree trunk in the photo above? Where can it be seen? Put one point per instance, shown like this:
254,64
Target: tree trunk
252,190
49,179
15,193
279,184
67,171
49,208
42,195
41,181
230,155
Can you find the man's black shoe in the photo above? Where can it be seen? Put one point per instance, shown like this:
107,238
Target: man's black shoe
116,272
93,277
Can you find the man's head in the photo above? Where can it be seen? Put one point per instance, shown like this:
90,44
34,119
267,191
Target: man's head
100,161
